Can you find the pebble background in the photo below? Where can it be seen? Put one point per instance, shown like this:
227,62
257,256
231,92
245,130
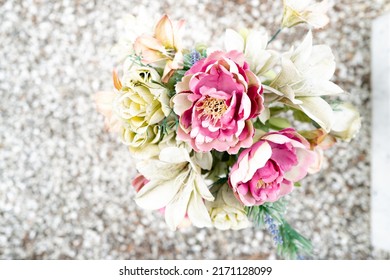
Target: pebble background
65,183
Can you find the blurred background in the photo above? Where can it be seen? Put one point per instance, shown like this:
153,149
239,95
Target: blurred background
65,182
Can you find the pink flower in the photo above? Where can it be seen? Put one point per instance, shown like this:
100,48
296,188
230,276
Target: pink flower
139,182
266,171
216,100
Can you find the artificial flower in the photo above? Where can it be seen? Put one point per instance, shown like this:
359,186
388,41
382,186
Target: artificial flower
139,182
142,144
226,211
347,121
177,184
304,78
216,100
253,45
142,101
267,171
163,49
304,11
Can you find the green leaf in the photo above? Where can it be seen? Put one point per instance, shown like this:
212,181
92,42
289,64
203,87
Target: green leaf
259,125
301,116
277,110
278,123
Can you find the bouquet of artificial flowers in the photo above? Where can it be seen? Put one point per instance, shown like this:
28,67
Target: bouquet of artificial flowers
211,128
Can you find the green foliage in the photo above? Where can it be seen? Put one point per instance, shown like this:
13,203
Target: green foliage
169,123
259,125
219,182
294,245
301,116
275,209
278,123
137,59
276,110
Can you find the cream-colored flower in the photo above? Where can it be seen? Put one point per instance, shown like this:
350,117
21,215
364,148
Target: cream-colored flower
142,144
226,212
304,11
347,121
253,45
304,78
142,101
176,183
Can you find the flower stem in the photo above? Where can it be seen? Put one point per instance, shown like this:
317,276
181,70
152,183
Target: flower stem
275,35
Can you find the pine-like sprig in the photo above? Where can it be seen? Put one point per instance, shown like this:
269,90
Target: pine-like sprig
290,243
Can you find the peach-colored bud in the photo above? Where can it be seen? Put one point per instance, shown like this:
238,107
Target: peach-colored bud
116,80
103,101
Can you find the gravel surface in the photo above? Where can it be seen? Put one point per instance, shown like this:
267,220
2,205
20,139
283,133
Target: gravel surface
65,183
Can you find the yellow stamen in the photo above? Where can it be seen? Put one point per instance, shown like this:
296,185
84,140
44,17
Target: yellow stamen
261,184
213,107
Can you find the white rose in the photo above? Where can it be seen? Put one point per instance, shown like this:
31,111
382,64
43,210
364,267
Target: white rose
226,212
142,101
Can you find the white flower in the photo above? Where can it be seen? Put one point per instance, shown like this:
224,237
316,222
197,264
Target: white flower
304,78
226,212
176,183
347,121
253,45
304,11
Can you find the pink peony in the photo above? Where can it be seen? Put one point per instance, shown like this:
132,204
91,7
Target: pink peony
266,171
216,100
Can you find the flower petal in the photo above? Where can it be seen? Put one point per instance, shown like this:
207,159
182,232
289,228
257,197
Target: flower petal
318,110
260,157
197,211
164,32
157,194
233,41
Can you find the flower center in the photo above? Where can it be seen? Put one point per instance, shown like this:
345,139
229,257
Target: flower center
213,107
262,185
